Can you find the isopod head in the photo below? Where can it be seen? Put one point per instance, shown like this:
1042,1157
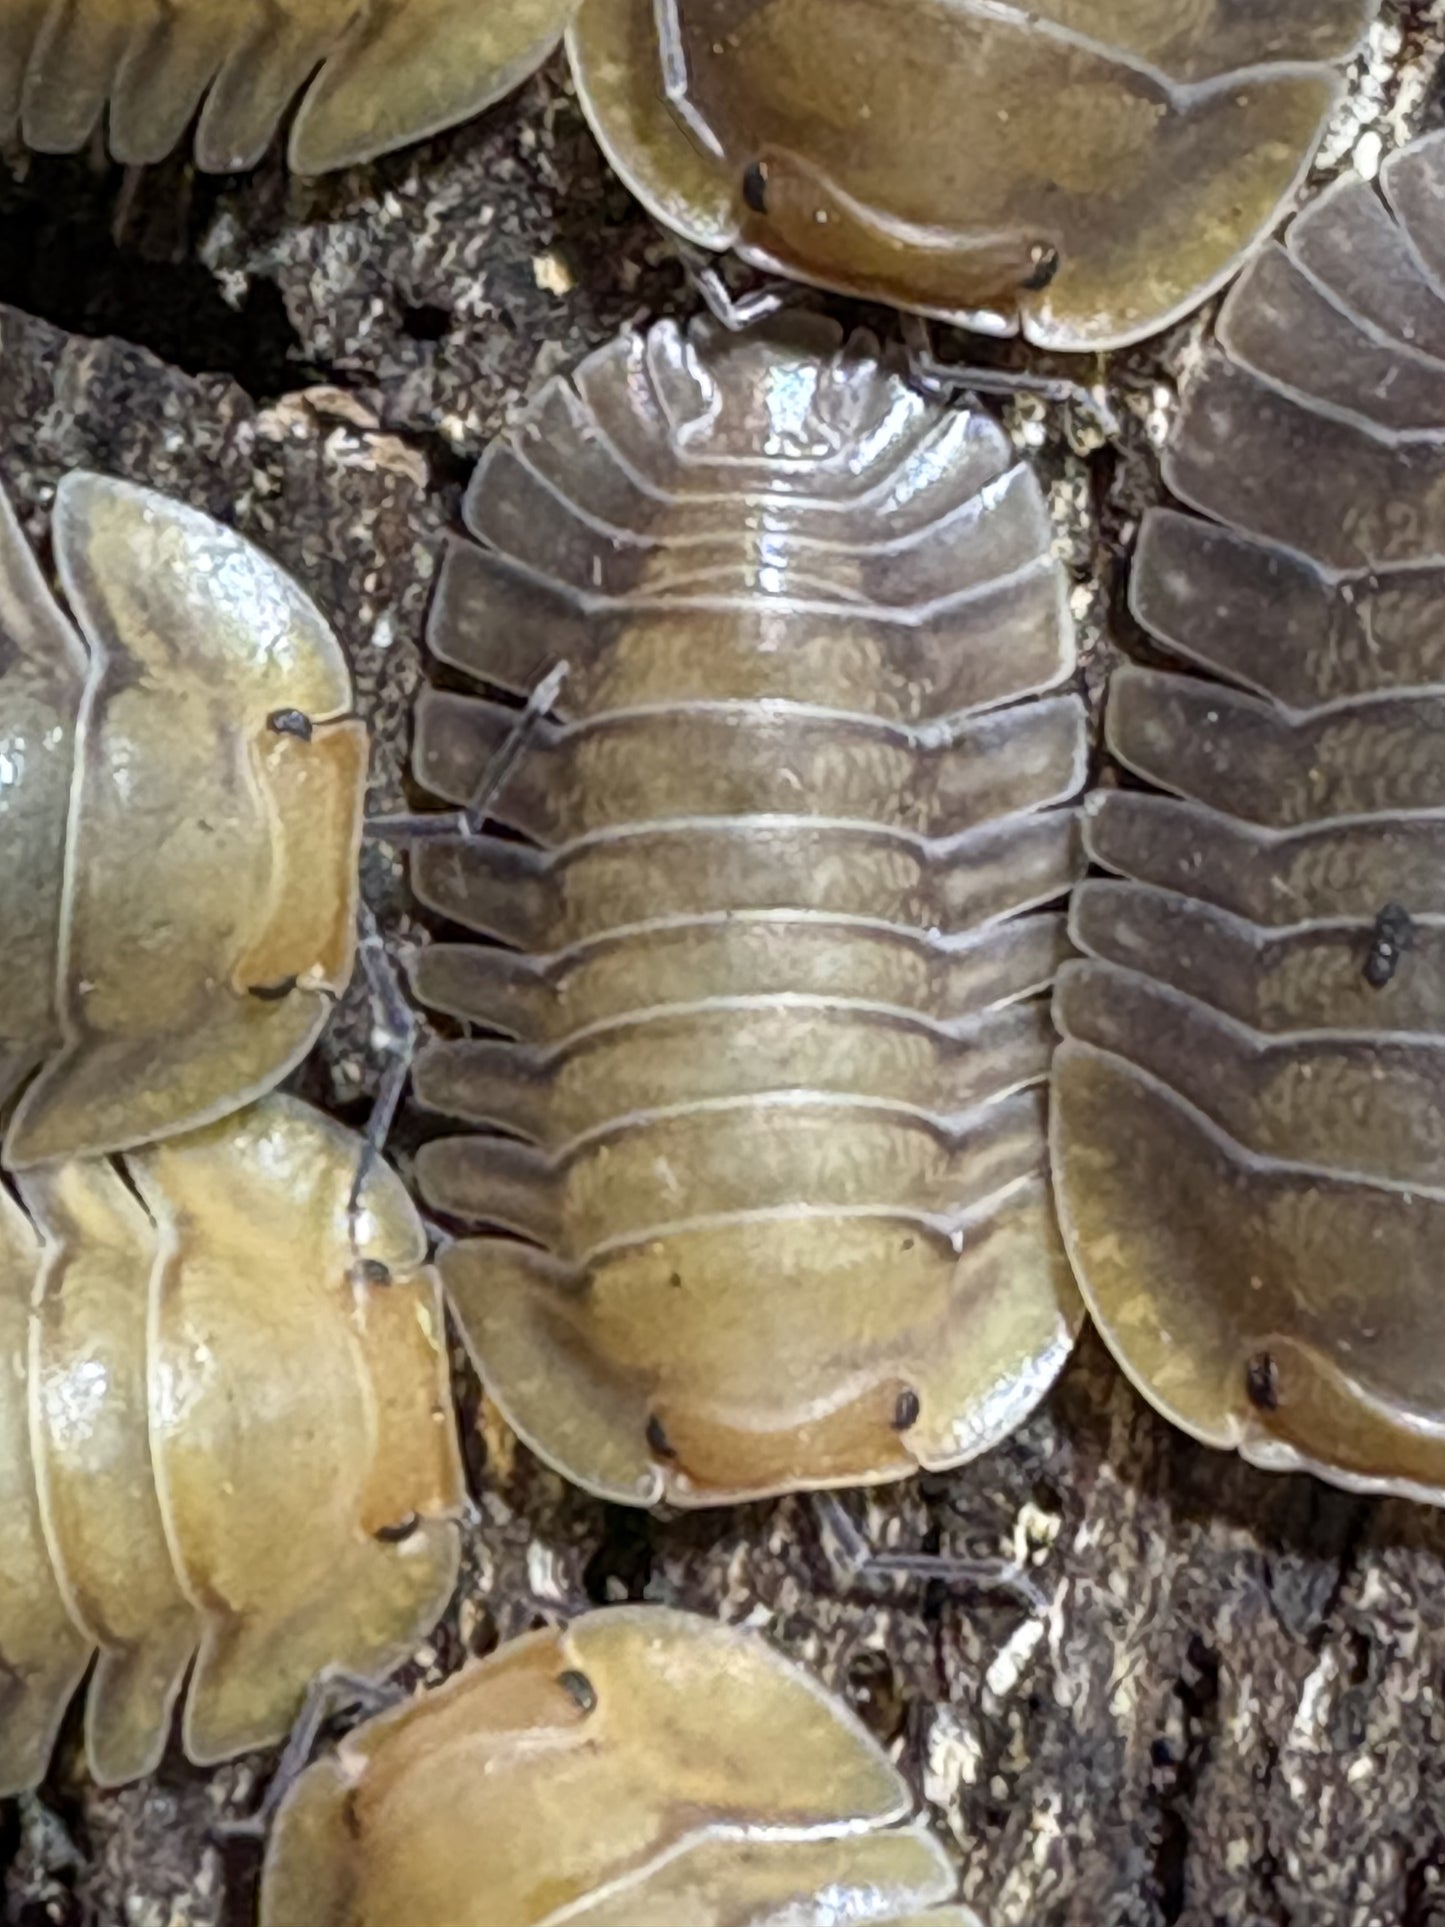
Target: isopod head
1084,170
180,813
637,1768
371,77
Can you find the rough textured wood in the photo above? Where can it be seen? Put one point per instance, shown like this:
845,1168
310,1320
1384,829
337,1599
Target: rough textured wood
1223,1713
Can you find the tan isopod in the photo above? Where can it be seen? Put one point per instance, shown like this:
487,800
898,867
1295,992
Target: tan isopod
774,1029
225,1444
181,788
637,1768
372,76
1249,1107
1085,171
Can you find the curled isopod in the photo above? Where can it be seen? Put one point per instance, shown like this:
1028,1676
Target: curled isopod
375,75
1085,170
638,1768
774,1037
1249,1107
180,809
226,1440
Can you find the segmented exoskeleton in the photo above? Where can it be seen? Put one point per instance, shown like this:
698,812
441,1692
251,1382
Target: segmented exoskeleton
1250,1105
775,1034
180,809
226,1440
375,73
637,1768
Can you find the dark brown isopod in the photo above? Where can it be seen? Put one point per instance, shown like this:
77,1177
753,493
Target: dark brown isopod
1249,1110
773,1033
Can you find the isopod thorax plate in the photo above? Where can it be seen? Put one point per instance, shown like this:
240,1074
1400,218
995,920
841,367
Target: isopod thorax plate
1086,170
1249,1113
773,1028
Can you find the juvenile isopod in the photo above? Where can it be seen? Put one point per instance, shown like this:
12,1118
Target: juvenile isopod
637,1768
1249,1107
1086,171
181,786
770,1032
371,76
226,1441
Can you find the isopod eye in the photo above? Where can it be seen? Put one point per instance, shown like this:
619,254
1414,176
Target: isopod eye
906,1410
1246,1130
646,1764
1046,260
755,186
273,993
291,722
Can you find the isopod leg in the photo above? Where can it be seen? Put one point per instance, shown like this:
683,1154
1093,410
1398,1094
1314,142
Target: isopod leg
397,1031
331,1695
945,378
857,1567
736,313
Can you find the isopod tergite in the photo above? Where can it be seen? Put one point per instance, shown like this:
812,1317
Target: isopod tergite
1087,170
380,74
637,1768
180,809
1249,1109
226,1439
774,1038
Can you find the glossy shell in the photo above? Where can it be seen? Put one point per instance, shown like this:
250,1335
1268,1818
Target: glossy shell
375,75
1250,1106
217,1444
774,1034
639,1768
1084,170
180,811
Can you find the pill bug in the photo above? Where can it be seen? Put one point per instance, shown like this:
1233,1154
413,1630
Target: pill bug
180,806
636,1768
774,1036
1084,170
225,1444
1248,1112
375,75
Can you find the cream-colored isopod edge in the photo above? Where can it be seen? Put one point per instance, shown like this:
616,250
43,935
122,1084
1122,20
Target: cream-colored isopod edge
181,790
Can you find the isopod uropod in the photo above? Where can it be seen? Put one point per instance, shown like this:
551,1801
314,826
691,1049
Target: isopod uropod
1086,170
1249,1108
637,1768
180,810
774,1034
375,75
224,1444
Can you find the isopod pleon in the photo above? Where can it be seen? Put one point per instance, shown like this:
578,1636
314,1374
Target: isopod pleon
1085,170
374,75
226,1439
637,1768
1249,1108
774,1036
180,810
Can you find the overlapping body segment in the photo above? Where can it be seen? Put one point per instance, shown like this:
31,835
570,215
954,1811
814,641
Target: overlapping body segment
226,1441
179,823
1249,1114
771,1033
639,1766
1087,170
370,77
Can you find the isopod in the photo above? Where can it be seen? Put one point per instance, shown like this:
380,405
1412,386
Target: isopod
1086,171
637,1768
1249,1107
774,1033
225,1444
181,788
372,76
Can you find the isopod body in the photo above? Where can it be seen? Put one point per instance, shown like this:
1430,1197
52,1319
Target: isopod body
226,1441
773,1033
638,1768
1086,170
371,76
181,787
1249,1109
